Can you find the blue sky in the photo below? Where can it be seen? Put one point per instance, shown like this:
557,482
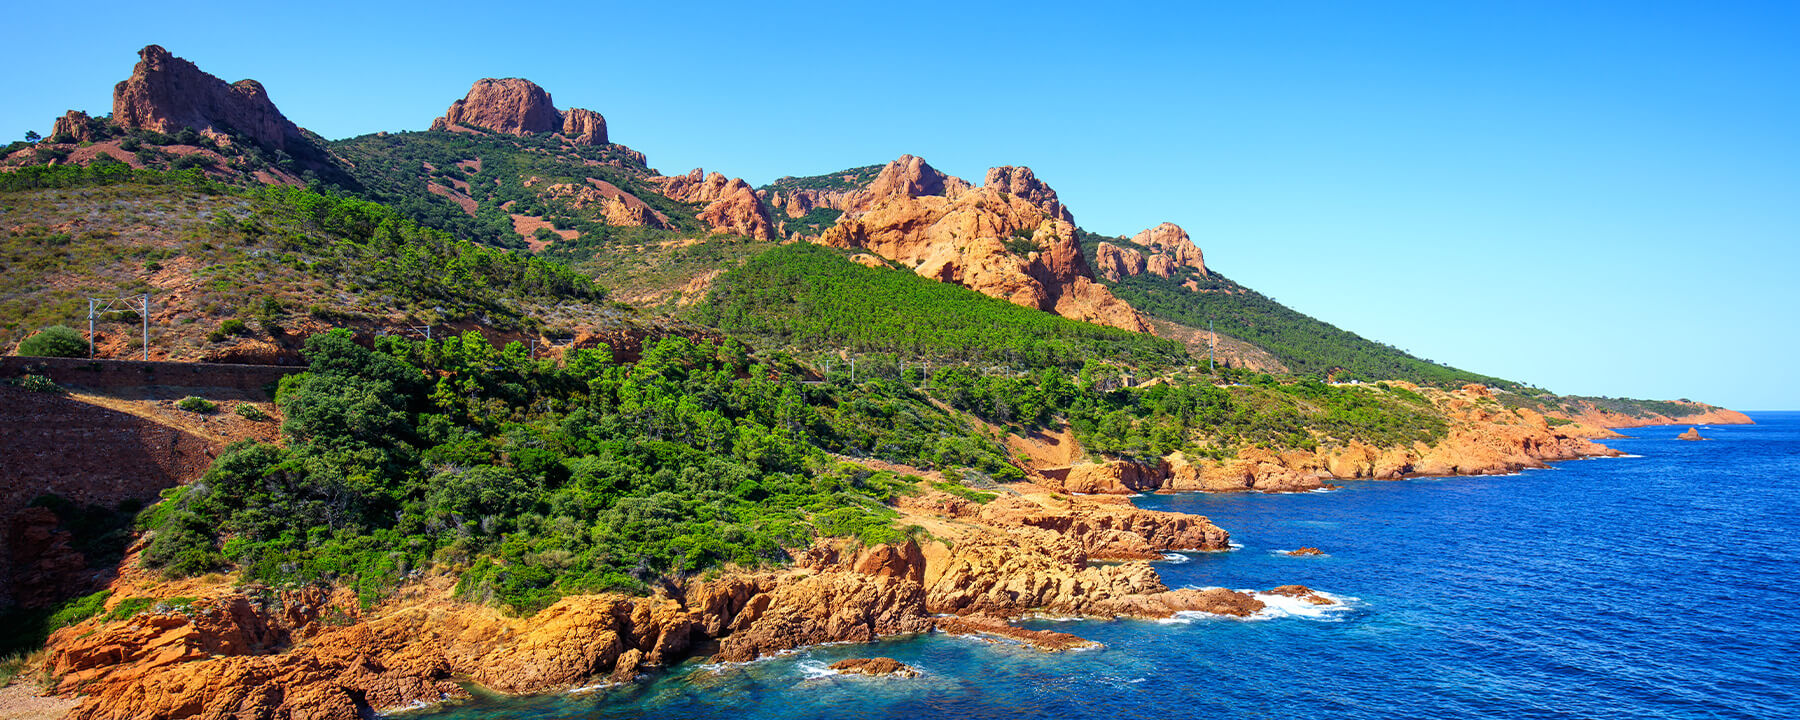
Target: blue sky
1598,198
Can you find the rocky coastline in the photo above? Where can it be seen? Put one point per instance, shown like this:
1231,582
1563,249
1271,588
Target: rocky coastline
316,652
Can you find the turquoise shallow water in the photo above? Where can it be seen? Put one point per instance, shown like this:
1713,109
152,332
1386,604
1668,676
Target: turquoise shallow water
1652,586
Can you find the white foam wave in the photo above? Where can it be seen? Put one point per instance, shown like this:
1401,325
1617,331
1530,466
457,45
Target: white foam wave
596,687
1175,557
1282,606
1237,546
1324,490
814,670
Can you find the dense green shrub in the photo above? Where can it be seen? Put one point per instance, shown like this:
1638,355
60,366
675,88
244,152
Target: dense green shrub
78,610
55,341
196,404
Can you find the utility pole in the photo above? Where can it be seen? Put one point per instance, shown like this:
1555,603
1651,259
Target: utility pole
95,309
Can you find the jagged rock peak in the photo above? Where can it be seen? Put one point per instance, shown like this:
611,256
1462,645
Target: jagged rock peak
731,205
517,106
913,177
1021,181
166,93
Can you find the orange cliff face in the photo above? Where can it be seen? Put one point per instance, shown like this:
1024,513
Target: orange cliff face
945,229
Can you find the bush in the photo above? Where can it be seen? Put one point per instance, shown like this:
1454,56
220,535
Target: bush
197,404
39,383
251,412
78,610
54,341
231,326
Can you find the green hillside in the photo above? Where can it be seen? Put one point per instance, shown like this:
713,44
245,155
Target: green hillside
1306,345
252,260
850,179
400,170
808,297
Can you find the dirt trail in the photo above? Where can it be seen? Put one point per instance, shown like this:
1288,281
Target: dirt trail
20,701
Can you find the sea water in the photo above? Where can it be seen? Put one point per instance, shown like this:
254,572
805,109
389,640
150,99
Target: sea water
1660,585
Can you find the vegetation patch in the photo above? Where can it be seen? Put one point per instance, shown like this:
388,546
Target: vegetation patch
532,478
808,298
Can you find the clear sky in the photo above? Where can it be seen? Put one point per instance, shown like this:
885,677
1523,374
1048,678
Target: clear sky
1598,198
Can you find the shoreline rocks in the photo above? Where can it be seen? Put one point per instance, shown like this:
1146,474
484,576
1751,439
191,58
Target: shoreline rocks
878,667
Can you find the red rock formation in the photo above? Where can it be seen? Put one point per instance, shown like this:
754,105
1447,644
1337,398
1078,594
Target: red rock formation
585,126
946,231
514,106
732,206
988,625
166,93
875,666
1022,182
517,106
75,126
1114,262
1171,248
906,176
1690,434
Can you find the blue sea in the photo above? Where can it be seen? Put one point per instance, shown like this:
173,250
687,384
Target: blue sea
1659,585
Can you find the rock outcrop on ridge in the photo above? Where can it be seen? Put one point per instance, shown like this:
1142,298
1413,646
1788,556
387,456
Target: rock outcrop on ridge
732,206
516,106
987,239
1164,251
166,93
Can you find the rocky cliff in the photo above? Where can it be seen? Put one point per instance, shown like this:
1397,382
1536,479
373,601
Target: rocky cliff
988,239
517,106
255,653
1484,438
166,93
731,205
